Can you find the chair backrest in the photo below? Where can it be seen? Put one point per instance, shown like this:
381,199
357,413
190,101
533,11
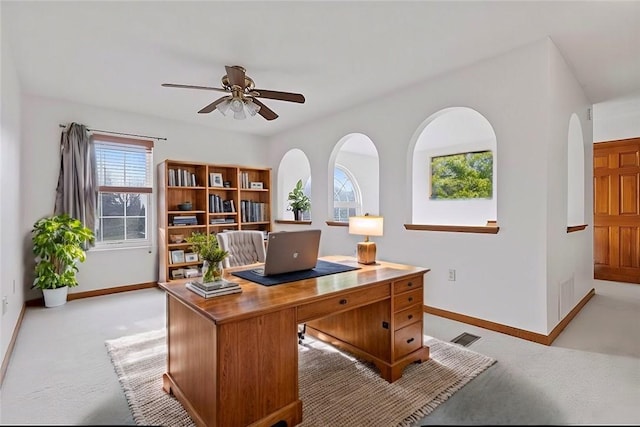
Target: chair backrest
244,247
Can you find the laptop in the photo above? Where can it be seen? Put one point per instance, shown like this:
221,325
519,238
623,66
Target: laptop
289,251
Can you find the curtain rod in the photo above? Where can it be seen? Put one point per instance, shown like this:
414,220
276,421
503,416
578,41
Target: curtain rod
120,133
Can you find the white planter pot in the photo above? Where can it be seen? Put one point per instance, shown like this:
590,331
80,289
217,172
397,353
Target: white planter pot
55,297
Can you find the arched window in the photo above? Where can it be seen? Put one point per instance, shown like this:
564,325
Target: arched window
346,195
453,169
354,185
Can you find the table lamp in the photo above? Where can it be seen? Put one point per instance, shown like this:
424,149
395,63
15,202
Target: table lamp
366,225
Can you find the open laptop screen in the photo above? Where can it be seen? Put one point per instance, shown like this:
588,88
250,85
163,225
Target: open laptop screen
289,251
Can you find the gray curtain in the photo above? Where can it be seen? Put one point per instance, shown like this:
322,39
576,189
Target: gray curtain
77,192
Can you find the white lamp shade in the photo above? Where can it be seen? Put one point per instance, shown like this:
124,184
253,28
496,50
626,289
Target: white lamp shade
366,225
223,107
239,107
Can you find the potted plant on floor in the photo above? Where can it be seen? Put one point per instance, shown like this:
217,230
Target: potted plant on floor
59,245
298,201
206,246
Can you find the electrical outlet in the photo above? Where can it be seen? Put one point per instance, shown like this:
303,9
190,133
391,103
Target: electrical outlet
452,275
5,304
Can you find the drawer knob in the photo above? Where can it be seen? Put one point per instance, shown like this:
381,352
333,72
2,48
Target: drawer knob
410,284
410,299
410,340
410,316
343,301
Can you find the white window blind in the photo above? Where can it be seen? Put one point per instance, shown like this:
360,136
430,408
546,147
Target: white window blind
125,182
123,165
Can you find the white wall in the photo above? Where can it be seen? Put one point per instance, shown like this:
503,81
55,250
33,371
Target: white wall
617,119
569,255
41,136
501,278
11,239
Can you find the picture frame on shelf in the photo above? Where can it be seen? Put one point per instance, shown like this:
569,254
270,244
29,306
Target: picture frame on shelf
216,180
257,185
191,257
177,256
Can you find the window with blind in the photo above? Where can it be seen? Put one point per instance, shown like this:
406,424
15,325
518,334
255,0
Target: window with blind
125,181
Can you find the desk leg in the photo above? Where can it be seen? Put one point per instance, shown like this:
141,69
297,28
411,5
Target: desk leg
393,372
235,374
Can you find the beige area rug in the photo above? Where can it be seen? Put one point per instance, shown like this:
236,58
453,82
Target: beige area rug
335,388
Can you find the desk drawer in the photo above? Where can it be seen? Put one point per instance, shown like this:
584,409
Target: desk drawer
407,339
343,302
406,299
407,284
405,317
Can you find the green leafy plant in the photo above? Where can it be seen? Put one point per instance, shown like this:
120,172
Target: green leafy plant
462,176
298,201
206,245
59,244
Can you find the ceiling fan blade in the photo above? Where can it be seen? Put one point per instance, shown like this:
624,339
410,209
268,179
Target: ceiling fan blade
282,96
236,75
194,87
265,111
209,108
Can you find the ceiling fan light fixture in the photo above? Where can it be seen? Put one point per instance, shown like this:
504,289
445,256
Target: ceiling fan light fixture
223,107
237,105
239,115
252,107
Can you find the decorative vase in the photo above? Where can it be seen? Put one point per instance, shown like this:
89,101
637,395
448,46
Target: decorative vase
55,297
297,214
211,271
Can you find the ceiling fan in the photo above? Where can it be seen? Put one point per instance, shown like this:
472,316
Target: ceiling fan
242,98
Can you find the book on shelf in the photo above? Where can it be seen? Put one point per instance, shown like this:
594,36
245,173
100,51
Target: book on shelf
252,211
212,294
182,178
185,220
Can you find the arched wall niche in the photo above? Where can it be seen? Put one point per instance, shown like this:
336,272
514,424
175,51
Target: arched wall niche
453,130
293,166
575,173
357,154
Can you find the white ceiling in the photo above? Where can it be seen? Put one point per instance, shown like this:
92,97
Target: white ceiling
116,54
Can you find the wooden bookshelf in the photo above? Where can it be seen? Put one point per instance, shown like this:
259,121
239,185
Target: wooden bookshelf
222,198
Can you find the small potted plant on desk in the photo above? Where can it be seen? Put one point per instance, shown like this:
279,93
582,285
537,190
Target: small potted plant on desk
58,244
298,201
206,246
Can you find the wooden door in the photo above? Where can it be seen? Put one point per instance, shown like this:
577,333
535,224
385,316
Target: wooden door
616,206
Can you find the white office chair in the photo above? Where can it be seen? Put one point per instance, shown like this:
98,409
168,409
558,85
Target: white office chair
244,247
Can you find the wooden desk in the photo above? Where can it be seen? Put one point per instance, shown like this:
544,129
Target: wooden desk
233,360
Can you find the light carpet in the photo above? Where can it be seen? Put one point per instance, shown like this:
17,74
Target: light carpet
335,388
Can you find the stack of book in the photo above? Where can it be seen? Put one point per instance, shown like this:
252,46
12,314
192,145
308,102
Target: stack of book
185,220
213,289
